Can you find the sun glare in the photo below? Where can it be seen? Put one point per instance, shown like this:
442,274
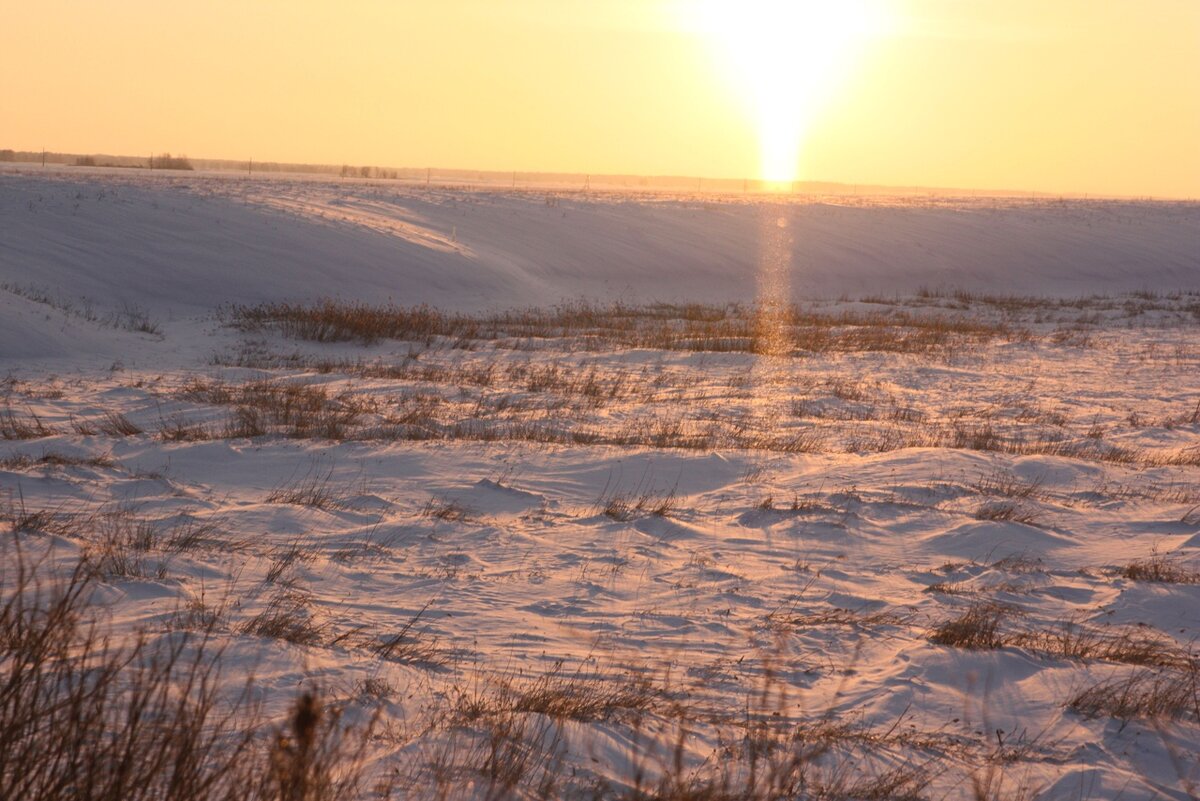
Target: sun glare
785,57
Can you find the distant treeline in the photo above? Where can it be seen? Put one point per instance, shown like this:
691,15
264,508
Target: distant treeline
161,161
165,161
494,178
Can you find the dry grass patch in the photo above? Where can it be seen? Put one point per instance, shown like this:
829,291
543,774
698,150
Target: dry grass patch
14,426
55,522
949,588
1161,568
850,617
730,328
315,490
291,408
119,546
23,461
86,719
300,410
178,428
628,505
115,424
409,645
1018,563
450,510
198,615
1006,512
288,617
1185,457
1129,645
581,695
1170,694
189,535
981,627
977,629
284,560
1005,484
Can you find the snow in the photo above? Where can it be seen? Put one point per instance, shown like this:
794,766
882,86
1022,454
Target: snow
734,584
191,243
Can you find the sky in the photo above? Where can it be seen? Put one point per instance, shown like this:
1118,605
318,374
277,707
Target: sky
1071,96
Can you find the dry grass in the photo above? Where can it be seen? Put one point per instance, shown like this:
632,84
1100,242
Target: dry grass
87,720
511,399
449,510
513,723
949,588
189,535
982,627
628,505
496,737
291,408
129,317
858,619
1005,484
119,545
284,560
44,521
410,646
582,696
1006,511
23,461
115,424
1170,694
315,489
14,426
1161,568
198,615
1129,645
978,628
287,616
118,542
178,428
732,328
300,410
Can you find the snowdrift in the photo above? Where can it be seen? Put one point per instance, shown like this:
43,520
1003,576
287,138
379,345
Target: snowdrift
186,244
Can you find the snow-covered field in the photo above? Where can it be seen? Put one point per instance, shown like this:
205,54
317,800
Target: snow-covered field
935,535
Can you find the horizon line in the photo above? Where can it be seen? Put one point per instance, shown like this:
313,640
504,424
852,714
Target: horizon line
749,185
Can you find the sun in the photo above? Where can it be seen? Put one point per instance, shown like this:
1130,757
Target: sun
786,57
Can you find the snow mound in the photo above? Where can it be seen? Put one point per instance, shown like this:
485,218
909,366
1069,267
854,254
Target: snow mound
188,244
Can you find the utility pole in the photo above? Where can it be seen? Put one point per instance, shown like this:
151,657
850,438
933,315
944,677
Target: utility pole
587,183
427,173
250,167
514,184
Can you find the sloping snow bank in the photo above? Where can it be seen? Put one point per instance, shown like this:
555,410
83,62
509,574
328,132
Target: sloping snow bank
182,244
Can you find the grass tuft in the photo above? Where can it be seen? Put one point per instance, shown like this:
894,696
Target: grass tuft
1146,694
1161,568
978,628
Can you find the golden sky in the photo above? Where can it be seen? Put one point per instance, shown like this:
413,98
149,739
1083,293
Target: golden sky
1099,96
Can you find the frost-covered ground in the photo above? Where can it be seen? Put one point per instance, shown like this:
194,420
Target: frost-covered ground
939,544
